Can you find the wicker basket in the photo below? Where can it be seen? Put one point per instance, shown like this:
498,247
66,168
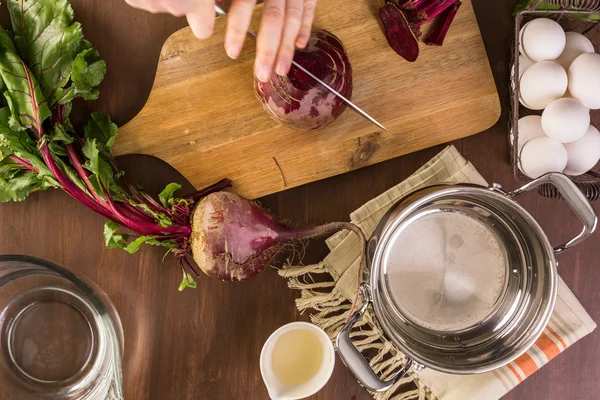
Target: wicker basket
569,14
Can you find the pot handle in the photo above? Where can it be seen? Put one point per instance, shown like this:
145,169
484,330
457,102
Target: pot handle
576,200
355,362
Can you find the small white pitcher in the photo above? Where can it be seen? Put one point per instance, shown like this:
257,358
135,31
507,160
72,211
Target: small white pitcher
279,390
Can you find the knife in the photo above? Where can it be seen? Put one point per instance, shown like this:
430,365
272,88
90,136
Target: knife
350,104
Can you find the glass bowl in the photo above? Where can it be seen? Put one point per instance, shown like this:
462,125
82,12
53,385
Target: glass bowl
60,335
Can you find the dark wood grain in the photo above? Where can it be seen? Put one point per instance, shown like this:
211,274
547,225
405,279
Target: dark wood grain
205,344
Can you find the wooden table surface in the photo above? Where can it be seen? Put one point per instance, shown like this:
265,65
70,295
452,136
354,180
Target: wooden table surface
205,343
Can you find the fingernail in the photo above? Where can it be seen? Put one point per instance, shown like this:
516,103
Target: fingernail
232,51
283,66
263,73
301,43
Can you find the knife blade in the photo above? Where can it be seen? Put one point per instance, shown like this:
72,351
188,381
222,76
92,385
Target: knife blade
350,104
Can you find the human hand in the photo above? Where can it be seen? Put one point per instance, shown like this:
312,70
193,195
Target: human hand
285,25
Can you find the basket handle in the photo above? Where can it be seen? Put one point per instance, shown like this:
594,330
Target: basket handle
574,198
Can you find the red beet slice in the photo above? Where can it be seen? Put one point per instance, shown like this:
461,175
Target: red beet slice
398,32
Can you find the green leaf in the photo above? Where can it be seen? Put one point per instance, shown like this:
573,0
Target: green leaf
57,138
59,134
52,44
57,149
101,129
23,146
71,173
100,135
162,219
16,180
187,282
67,121
167,194
23,95
16,183
5,150
8,170
526,5
103,177
88,71
113,239
522,5
134,246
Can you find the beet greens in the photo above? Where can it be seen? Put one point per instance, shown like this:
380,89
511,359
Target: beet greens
45,63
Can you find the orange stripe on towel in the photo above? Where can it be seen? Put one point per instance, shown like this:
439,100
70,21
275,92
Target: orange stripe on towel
557,336
526,364
515,373
548,346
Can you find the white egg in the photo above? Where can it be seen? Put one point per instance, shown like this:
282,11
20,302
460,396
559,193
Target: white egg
542,40
584,80
577,44
524,63
542,155
584,153
529,127
566,120
541,84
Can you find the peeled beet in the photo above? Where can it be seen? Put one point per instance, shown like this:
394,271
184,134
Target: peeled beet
398,32
297,100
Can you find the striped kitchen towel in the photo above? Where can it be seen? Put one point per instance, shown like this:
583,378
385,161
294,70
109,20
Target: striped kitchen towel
329,299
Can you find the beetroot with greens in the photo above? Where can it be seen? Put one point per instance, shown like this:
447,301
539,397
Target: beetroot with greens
403,20
298,101
45,63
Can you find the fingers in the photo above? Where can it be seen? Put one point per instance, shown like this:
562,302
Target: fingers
238,22
293,20
269,38
307,19
179,7
202,18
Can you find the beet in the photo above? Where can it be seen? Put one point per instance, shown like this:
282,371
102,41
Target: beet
298,101
234,239
402,21
398,33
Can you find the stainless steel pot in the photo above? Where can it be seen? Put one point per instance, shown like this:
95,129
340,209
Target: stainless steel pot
462,278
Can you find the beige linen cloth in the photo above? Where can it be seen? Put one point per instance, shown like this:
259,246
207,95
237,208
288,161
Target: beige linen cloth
328,287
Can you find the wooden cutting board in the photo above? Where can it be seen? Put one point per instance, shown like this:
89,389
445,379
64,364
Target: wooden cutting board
202,116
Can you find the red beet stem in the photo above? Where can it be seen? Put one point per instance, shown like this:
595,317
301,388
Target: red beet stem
442,25
23,162
429,9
